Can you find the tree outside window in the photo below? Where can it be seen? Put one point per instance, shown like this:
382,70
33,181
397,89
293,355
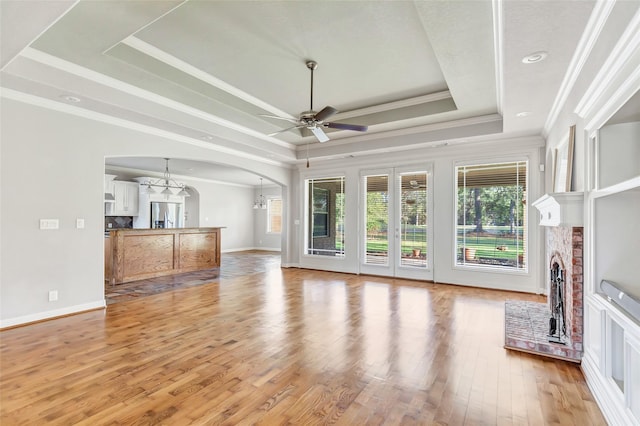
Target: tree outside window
491,222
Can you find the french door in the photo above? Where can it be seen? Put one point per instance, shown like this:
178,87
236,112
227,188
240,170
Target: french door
397,223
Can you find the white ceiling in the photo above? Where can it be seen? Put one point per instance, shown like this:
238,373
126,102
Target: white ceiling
207,69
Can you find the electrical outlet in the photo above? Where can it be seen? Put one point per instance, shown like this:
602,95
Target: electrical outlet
80,223
53,295
49,224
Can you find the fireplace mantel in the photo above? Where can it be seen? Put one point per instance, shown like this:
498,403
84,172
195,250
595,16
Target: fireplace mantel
561,209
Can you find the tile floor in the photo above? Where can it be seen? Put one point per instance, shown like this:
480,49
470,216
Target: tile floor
233,264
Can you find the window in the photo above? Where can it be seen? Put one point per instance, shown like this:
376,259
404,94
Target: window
491,222
274,215
325,219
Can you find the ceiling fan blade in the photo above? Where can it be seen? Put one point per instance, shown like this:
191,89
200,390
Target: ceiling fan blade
345,126
320,135
325,113
285,130
291,120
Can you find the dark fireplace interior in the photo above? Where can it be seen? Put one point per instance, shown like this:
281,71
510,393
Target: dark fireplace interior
557,321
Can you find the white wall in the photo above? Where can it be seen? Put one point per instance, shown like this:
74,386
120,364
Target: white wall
229,206
614,139
54,170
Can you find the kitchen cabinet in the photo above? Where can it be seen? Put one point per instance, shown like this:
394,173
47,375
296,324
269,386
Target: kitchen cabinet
108,183
126,199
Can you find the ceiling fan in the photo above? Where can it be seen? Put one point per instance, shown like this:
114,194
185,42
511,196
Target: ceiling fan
315,121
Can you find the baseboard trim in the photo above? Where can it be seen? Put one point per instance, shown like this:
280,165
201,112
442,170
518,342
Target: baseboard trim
612,409
48,315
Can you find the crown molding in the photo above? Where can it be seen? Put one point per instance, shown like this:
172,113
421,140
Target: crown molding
119,122
602,113
624,51
110,82
589,37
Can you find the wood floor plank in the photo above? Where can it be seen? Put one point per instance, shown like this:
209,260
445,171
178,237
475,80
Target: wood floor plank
259,345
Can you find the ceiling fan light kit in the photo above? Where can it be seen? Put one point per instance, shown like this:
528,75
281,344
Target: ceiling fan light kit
315,121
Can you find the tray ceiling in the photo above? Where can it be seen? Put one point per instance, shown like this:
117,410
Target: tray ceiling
206,70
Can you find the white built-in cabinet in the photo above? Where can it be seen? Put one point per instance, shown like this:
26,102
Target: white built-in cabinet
611,359
126,197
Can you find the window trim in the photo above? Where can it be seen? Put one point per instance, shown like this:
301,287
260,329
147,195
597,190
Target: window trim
304,249
454,253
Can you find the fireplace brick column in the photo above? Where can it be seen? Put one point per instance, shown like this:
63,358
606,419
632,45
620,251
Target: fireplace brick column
565,247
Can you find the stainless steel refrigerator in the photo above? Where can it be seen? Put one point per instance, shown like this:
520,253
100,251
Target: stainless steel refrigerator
167,215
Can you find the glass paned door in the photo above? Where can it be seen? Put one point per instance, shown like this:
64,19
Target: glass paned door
376,195
413,219
396,223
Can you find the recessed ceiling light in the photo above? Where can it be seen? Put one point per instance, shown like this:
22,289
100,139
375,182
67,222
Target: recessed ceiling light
523,114
535,57
70,98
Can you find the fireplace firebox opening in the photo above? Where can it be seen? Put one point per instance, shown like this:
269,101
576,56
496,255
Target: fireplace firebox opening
557,321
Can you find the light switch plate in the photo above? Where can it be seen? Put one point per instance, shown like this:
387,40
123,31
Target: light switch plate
80,223
49,224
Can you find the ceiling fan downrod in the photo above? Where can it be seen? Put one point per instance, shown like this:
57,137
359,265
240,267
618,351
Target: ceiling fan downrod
312,65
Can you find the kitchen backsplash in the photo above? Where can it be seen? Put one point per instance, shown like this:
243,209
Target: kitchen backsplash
116,222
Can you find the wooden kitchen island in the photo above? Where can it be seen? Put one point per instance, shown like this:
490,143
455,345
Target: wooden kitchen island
137,254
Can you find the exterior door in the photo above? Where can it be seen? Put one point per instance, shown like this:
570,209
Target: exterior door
397,223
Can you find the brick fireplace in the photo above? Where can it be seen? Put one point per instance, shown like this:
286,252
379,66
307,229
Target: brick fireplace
565,245
554,328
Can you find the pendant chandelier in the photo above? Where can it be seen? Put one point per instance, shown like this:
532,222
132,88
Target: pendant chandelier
166,183
260,202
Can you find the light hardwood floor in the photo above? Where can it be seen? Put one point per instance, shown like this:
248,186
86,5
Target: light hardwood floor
289,346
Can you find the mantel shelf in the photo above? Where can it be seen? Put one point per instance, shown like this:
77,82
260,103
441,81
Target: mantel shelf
561,209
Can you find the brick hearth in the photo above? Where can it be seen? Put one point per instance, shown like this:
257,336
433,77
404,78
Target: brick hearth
526,329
